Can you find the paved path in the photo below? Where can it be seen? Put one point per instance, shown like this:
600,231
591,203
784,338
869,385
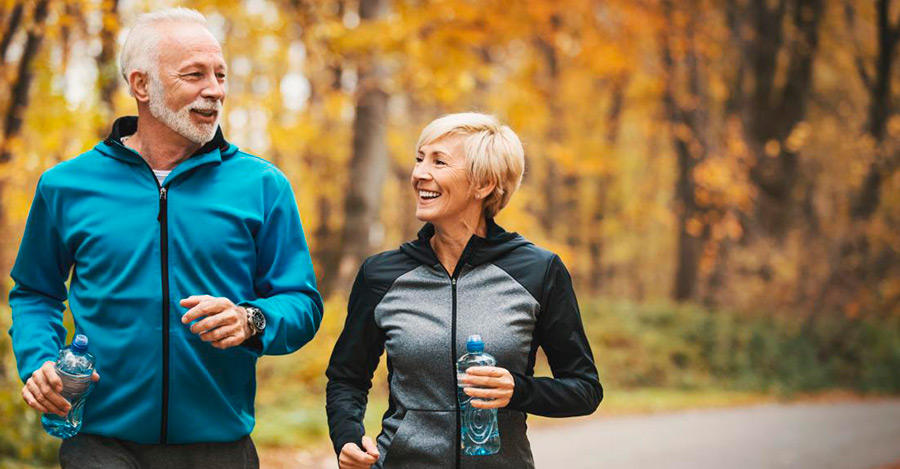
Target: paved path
844,435
852,435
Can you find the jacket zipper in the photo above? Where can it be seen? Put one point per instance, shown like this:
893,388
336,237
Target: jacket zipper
163,219
164,261
455,377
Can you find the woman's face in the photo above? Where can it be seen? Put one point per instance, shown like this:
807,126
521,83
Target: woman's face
441,181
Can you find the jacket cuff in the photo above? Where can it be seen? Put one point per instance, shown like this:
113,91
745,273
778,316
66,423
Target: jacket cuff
521,391
342,440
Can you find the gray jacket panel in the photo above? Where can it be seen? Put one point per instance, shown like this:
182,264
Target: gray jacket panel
416,315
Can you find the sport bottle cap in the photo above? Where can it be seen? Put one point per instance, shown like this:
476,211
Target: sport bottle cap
475,344
80,344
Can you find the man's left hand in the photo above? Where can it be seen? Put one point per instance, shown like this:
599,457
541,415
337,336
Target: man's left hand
224,324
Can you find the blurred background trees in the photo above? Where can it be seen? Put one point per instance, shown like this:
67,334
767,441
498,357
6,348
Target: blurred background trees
740,156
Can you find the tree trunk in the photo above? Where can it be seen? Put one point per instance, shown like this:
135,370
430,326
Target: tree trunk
690,149
12,26
369,162
553,210
19,99
595,241
107,69
769,115
880,109
14,116
852,265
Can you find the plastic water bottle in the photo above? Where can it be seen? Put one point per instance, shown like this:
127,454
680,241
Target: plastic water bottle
74,367
480,432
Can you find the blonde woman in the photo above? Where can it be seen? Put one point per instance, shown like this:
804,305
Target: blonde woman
464,275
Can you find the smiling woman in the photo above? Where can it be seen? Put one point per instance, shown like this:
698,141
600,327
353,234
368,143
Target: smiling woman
464,275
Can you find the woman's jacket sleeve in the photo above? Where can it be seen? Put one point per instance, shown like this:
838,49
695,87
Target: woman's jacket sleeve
353,363
575,387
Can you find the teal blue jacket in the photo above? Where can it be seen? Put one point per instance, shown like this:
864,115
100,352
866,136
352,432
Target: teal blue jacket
223,223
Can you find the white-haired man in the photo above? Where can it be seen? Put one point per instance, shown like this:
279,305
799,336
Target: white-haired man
187,259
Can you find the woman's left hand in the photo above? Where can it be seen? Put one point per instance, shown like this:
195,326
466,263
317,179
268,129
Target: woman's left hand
489,382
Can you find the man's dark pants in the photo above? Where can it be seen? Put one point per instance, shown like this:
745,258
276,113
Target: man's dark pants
85,451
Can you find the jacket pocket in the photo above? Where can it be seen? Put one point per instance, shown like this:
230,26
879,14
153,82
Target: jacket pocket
425,438
515,451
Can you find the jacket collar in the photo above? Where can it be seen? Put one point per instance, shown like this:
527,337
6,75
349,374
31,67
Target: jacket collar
210,153
479,250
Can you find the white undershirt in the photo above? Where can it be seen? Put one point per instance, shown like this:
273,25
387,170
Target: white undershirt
161,174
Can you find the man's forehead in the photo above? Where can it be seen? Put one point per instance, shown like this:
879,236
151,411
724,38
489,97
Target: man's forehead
182,43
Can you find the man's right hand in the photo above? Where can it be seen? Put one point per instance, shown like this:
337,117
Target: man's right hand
43,388
354,458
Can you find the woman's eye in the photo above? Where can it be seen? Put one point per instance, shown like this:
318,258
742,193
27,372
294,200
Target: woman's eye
418,159
440,162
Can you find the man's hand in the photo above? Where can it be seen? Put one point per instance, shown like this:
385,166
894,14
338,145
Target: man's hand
43,388
354,458
224,325
491,386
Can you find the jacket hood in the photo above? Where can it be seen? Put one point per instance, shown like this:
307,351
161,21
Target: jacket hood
127,125
496,243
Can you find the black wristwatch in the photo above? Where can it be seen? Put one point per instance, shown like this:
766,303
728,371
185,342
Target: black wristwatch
256,319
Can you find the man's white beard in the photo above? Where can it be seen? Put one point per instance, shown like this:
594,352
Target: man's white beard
180,120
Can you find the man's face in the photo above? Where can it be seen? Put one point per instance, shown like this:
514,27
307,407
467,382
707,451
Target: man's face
188,94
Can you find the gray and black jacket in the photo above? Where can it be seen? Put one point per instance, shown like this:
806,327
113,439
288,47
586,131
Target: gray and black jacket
517,296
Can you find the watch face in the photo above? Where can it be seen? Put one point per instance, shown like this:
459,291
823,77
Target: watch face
259,320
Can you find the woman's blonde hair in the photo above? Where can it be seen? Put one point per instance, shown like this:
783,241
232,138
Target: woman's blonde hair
494,153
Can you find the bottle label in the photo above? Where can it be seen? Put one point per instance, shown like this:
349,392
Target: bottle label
73,385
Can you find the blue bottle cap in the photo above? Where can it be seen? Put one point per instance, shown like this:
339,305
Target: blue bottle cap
80,344
475,344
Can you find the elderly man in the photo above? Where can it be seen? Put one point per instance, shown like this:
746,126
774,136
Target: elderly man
187,261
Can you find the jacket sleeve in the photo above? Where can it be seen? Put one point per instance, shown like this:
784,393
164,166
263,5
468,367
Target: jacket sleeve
285,283
37,299
352,365
575,387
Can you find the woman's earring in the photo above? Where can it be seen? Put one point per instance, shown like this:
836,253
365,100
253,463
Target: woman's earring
477,196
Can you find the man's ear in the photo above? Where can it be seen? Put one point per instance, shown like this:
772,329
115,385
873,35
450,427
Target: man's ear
139,82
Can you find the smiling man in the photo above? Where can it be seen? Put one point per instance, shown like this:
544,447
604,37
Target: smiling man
187,260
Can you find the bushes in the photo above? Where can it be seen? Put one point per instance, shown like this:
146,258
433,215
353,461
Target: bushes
23,442
687,347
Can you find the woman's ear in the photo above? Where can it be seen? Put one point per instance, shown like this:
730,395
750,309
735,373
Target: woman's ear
482,192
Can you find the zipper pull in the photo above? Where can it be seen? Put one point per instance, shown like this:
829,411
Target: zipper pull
162,193
453,281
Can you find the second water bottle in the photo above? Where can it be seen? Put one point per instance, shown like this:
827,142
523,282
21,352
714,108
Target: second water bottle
480,433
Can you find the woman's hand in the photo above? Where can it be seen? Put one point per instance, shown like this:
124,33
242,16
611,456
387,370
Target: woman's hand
489,382
354,458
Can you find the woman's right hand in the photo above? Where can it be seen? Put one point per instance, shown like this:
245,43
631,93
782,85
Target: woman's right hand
352,457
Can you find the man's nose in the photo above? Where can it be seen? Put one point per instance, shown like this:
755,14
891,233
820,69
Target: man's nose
214,89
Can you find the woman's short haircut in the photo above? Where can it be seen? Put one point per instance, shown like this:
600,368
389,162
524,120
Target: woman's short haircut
494,153
141,49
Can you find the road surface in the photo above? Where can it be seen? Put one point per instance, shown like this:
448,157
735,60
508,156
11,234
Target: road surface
843,435
851,435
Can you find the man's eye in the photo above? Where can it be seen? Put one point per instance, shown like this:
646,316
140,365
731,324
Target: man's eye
220,76
418,159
